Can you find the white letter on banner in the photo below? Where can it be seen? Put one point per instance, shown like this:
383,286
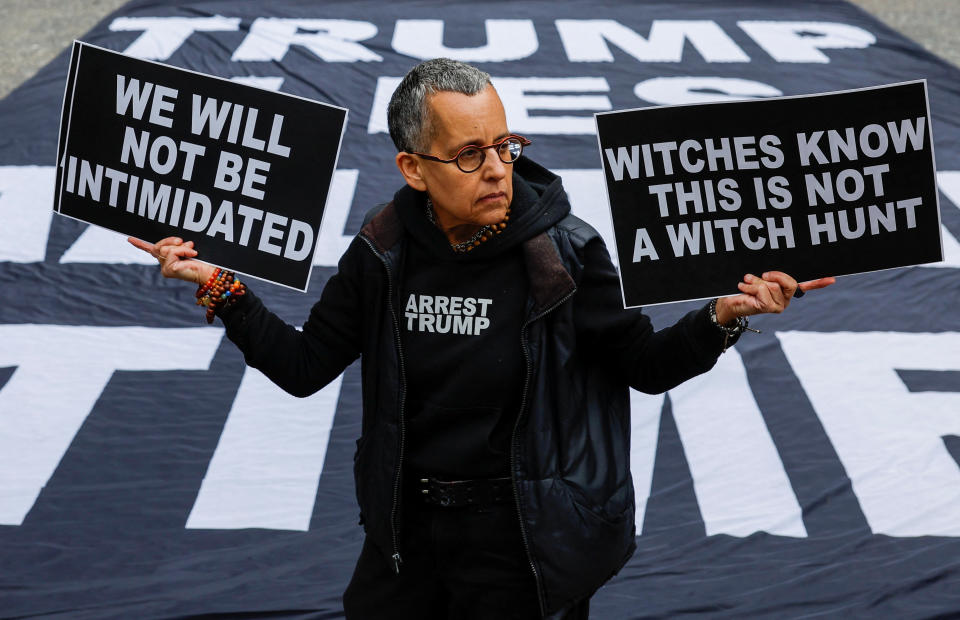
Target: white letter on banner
585,40
645,412
331,242
681,90
266,83
507,39
738,476
890,440
949,183
162,36
99,245
26,200
61,371
332,40
265,470
517,103
582,187
381,99
737,473
802,41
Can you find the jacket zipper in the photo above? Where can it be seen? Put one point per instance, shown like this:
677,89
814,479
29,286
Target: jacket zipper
397,560
516,437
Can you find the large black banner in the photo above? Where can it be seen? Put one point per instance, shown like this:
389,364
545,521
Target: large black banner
146,472
154,151
828,184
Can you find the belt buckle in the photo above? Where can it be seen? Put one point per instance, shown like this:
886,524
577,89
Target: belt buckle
436,493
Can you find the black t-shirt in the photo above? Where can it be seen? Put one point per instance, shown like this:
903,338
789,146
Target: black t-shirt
461,315
460,325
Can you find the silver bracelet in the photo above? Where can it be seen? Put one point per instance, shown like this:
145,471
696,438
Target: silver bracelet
732,332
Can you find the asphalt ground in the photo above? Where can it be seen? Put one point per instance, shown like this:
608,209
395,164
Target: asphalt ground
33,32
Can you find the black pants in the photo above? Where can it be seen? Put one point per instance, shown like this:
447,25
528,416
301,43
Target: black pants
465,563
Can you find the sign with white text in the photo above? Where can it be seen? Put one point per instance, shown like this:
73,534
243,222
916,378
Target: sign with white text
153,151
814,186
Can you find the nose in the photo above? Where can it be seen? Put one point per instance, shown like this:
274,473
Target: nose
493,167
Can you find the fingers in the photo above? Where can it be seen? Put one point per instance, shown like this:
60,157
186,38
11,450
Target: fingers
767,295
751,284
181,252
781,287
140,244
751,300
160,246
771,293
811,285
167,249
786,283
161,249
147,246
172,257
173,254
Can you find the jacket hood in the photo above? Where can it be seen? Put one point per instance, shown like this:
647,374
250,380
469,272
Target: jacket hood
539,202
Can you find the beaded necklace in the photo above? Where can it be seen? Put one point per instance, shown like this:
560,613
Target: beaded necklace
481,236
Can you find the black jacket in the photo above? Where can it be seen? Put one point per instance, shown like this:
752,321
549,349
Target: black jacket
571,442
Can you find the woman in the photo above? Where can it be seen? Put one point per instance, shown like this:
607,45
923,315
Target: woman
493,468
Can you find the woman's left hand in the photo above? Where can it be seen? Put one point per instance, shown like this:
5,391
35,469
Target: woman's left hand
175,258
770,293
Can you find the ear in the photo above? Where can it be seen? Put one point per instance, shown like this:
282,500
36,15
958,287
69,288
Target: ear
409,166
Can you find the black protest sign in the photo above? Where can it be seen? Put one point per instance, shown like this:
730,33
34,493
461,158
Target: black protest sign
154,151
814,186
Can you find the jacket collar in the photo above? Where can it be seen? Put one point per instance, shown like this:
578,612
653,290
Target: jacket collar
549,279
384,229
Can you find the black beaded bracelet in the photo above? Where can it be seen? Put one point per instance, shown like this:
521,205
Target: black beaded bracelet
731,332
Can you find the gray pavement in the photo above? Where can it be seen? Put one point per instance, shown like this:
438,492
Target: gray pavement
33,32
931,23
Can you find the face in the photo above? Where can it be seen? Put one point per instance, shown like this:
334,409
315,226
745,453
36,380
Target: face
464,202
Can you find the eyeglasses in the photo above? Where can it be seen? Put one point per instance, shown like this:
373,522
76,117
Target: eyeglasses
471,157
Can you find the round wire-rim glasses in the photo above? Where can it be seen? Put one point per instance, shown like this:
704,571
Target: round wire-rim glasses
471,157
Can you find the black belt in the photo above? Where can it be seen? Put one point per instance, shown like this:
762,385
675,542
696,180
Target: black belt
454,493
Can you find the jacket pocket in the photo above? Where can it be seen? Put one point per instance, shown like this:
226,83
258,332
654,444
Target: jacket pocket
615,511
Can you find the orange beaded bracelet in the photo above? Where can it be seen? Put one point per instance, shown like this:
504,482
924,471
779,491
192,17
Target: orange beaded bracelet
223,288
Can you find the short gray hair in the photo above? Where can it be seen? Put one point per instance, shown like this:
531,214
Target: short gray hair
408,115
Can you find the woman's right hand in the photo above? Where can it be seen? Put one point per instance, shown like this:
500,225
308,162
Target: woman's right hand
175,257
